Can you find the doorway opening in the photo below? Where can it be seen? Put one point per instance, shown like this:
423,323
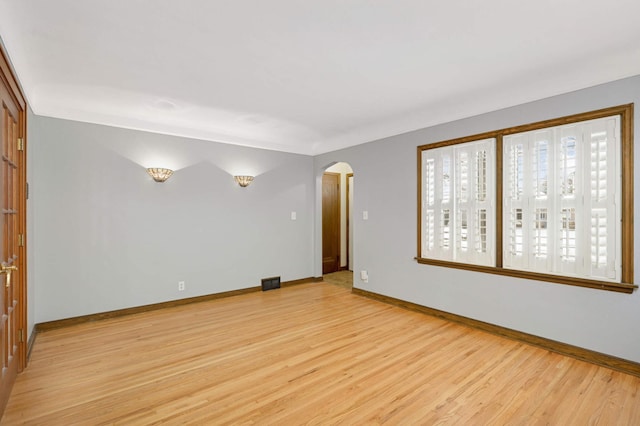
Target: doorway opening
337,229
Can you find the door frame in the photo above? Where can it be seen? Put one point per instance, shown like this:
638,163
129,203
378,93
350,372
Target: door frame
319,168
19,278
348,190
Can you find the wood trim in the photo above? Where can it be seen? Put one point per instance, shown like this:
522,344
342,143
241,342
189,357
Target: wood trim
22,230
472,138
9,77
419,186
67,322
300,281
583,116
536,276
346,182
597,358
31,342
499,194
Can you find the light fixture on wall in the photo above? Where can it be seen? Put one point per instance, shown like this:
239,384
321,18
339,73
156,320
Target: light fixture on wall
159,174
243,181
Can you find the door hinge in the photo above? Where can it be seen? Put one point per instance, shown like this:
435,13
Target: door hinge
20,144
20,240
26,195
20,336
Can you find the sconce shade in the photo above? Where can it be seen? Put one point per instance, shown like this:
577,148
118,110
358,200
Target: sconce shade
159,174
243,180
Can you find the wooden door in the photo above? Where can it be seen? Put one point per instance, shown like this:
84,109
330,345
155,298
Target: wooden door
330,222
13,199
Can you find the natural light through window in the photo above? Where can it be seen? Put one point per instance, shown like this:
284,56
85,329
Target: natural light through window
561,206
567,194
458,202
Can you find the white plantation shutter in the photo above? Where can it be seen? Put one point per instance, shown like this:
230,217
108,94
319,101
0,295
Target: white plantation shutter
462,204
561,214
484,178
445,204
428,208
542,227
569,189
458,198
515,233
437,204
602,205
475,198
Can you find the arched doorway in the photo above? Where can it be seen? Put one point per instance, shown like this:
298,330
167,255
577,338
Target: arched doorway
337,229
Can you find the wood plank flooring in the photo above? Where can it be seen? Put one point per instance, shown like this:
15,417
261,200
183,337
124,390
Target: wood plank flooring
340,278
309,354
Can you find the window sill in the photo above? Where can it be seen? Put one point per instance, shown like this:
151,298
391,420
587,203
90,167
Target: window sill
579,282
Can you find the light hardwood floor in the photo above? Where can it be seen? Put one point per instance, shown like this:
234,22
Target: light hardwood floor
340,278
309,354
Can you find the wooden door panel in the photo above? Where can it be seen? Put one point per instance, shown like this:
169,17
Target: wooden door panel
330,222
12,198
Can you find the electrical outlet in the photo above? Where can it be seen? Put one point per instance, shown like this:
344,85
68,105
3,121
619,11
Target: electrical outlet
181,286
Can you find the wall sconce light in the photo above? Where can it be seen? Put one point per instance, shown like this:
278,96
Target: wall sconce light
159,174
243,181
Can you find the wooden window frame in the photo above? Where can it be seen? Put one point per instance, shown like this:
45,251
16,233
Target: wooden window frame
626,198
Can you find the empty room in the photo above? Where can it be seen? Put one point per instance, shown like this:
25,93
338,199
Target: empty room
336,212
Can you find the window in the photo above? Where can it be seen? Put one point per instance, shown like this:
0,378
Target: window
569,191
457,202
560,211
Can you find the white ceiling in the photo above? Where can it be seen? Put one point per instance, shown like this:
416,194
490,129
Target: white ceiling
308,76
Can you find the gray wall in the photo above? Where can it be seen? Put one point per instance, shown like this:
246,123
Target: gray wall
385,245
104,236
